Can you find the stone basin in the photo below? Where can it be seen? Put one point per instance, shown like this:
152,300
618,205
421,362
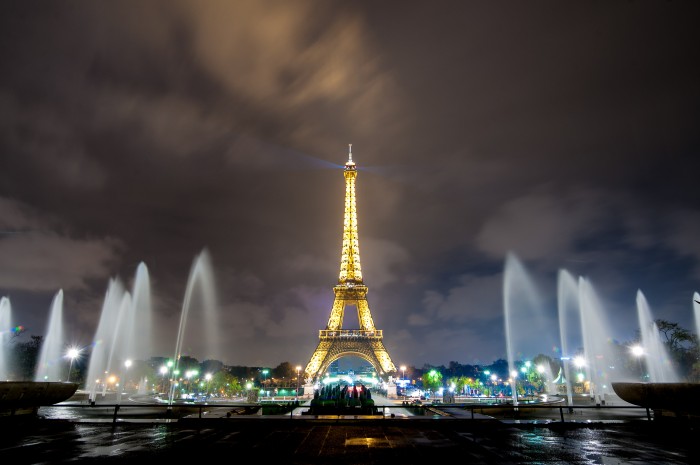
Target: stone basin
676,397
25,397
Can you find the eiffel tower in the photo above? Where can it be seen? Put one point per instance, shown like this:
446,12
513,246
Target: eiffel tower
336,342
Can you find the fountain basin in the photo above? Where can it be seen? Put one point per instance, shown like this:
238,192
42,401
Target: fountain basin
675,397
25,397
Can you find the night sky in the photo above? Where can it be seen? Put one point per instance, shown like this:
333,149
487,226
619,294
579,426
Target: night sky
563,133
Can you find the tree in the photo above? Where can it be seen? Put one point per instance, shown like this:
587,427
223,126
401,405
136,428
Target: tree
674,334
284,370
26,356
432,380
225,384
682,345
187,363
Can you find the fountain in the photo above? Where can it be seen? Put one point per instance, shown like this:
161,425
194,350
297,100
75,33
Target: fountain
567,303
199,284
696,312
658,359
123,333
25,397
599,358
50,366
123,336
5,335
522,309
582,317
124,330
664,391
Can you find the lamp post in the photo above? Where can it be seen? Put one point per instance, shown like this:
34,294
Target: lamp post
579,362
638,351
542,377
403,378
163,371
298,370
264,372
127,364
514,386
208,378
72,354
248,387
113,380
189,374
174,383
122,381
171,388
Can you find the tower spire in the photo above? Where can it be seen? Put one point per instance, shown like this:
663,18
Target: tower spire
350,269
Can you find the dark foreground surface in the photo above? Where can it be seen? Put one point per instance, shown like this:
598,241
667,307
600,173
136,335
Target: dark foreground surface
351,441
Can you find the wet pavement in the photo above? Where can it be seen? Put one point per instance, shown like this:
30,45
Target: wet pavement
405,438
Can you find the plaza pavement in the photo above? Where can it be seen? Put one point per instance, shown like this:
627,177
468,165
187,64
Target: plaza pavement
450,435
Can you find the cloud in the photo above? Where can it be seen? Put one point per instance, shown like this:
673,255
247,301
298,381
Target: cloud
542,224
473,299
386,258
682,236
42,135
35,255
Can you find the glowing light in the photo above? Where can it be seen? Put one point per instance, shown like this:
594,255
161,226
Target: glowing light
637,350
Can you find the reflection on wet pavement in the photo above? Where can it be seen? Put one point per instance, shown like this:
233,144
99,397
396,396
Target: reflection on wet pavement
377,441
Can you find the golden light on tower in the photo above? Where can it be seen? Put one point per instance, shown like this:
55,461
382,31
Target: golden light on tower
336,342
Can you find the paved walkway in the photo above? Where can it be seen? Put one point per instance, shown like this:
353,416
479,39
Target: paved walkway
404,439
352,441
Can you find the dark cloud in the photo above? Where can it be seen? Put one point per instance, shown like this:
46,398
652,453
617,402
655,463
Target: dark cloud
146,132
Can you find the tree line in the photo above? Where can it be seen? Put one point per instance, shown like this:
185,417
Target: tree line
681,343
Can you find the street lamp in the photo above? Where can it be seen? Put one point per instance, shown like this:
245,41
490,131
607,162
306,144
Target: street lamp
264,372
171,386
127,364
514,386
189,374
73,353
208,378
580,362
163,371
123,380
403,378
112,380
298,370
638,351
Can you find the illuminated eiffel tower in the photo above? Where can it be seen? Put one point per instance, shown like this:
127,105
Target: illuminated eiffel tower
336,342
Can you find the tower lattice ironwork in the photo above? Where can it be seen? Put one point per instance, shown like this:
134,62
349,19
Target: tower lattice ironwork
336,342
